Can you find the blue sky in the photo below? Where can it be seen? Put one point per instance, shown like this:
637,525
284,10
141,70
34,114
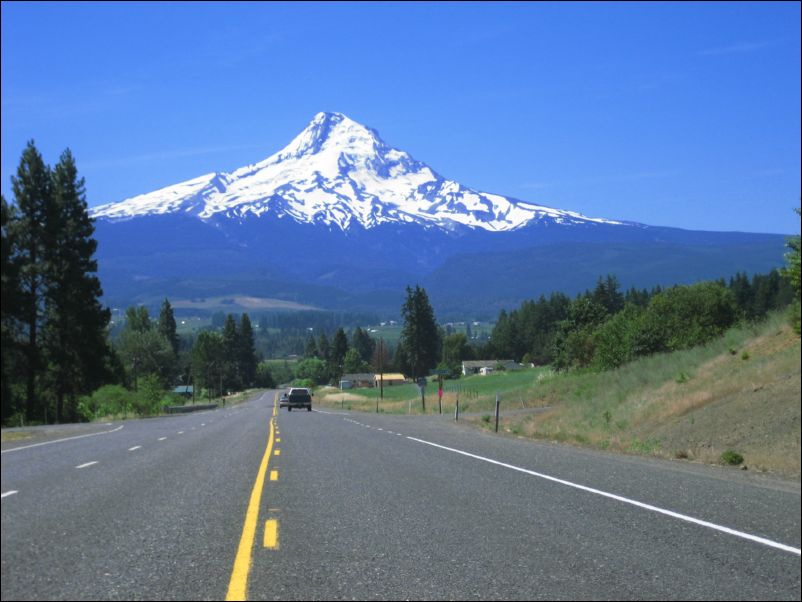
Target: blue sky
678,114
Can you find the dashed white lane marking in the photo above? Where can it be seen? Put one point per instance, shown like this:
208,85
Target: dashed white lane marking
162,438
134,448
87,464
7,493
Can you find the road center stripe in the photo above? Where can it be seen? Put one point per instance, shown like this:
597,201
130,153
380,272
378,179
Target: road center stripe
690,519
238,584
271,534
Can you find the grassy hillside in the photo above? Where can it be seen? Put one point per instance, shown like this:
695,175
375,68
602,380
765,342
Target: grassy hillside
739,393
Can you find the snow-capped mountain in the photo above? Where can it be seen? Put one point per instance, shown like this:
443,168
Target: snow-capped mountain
339,173
338,219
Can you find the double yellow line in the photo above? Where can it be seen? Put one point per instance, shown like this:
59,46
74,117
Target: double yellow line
238,584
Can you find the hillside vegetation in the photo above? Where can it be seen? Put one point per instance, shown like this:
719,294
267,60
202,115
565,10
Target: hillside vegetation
738,393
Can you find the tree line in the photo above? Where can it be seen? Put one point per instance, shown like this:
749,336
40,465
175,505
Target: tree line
605,327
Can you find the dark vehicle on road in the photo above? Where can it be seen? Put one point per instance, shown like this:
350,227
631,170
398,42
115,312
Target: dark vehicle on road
296,398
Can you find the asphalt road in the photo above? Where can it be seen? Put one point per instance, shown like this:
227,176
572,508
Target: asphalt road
326,505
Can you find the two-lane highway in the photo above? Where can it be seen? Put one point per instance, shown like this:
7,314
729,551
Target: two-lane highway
247,502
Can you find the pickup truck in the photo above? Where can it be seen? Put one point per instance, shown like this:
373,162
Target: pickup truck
296,398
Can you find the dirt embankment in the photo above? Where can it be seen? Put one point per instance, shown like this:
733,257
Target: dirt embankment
748,401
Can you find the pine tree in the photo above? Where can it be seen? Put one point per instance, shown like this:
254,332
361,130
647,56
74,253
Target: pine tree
31,187
339,347
310,350
167,325
323,347
10,313
247,351
207,360
420,337
231,346
363,343
75,329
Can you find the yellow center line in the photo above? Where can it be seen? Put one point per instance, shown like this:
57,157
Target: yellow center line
238,584
271,534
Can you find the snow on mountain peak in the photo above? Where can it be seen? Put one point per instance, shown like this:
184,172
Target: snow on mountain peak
338,172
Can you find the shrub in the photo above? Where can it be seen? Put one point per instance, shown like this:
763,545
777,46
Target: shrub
105,401
147,400
312,370
615,339
731,458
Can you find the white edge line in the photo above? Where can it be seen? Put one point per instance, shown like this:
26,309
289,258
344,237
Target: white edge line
87,464
13,449
136,447
690,519
7,493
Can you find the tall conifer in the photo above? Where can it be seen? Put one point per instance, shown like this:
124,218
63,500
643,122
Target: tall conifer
420,338
75,329
31,188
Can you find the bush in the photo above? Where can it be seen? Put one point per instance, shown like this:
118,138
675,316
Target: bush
312,370
731,458
147,400
615,339
108,400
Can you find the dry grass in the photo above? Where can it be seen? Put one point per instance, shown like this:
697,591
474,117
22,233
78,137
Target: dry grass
740,393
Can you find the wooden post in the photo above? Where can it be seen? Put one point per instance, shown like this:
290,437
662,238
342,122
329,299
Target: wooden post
498,403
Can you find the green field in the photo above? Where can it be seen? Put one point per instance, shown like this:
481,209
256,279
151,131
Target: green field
476,394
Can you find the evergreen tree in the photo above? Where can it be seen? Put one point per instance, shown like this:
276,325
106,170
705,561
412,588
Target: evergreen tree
207,361
31,188
232,377
75,329
339,347
10,314
323,347
167,325
363,343
310,350
247,351
420,337
608,296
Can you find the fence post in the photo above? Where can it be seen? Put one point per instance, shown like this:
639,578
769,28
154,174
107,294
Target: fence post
456,412
498,403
